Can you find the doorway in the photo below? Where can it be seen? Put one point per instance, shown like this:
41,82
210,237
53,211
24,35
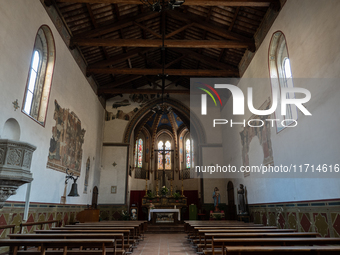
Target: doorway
231,212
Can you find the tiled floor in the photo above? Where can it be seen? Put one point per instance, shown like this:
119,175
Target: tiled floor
164,244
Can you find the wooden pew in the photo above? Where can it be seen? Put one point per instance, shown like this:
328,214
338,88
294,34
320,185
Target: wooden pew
203,233
129,245
210,236
142,224
41,223
283,250
11,227
131,229
191,229
196,229
279,241
63,244
138,225
112,236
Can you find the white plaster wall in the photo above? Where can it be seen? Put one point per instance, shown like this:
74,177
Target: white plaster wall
213,155
113,175
20,21
310,27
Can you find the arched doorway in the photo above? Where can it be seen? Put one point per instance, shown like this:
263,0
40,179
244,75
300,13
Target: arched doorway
95,197
231,213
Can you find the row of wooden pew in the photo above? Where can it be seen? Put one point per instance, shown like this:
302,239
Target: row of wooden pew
96,238
233,237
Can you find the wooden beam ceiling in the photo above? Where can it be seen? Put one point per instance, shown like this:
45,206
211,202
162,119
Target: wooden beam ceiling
255,3
181,72
140,91
158,43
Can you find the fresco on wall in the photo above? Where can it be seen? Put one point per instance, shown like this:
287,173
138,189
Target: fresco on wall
128,106
66,143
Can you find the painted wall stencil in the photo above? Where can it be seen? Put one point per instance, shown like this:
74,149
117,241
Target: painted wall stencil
66,142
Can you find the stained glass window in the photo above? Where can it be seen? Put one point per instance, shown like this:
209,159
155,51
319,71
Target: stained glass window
136,153
187,153
160,155
167,155
140,153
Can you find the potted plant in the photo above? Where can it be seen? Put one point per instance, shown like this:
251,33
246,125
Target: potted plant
125,215
164,191
150,194
176,195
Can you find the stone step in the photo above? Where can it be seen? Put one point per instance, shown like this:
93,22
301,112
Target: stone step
165,228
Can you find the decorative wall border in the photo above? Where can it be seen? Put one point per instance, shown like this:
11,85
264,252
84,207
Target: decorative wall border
322,216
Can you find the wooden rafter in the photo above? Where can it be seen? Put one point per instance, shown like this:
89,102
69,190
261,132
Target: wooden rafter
119,58
141,91
121,81
210,26
205,59
155,43
255,3
122,23
182,72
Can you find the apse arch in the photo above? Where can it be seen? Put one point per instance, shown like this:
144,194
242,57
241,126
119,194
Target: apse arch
189,119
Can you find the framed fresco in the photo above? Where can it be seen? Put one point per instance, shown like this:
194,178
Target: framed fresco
66,143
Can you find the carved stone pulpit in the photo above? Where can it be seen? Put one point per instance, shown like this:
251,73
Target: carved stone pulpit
15,165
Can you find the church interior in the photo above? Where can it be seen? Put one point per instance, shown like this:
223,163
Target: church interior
102,123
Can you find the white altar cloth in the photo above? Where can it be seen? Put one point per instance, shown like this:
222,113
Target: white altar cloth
164,211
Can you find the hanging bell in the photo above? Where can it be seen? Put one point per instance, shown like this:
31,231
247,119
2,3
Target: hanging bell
74,190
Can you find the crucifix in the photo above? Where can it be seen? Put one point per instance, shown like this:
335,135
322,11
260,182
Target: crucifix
166,152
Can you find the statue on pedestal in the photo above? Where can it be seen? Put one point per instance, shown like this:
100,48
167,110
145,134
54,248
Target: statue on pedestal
217,198
241,201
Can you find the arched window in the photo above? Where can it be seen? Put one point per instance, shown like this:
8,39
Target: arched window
40,76
187,154
160,155
139,153
281,77
167,155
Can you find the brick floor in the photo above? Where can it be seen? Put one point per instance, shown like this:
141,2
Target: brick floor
164,244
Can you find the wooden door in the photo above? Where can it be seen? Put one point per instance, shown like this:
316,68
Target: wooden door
95,197
231,212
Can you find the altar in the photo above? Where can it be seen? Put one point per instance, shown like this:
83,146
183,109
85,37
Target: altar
164,216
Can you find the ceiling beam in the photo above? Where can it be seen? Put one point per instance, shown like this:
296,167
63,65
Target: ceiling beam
212,27
119,58
205,59
120,81
255,3
156,43
124,22
182,72
141,91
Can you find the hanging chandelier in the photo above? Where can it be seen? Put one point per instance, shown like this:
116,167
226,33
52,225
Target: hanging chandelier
158,5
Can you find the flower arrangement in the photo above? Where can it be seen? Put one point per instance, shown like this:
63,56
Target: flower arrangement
164,190
176,195
125,215
152,206
150,194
